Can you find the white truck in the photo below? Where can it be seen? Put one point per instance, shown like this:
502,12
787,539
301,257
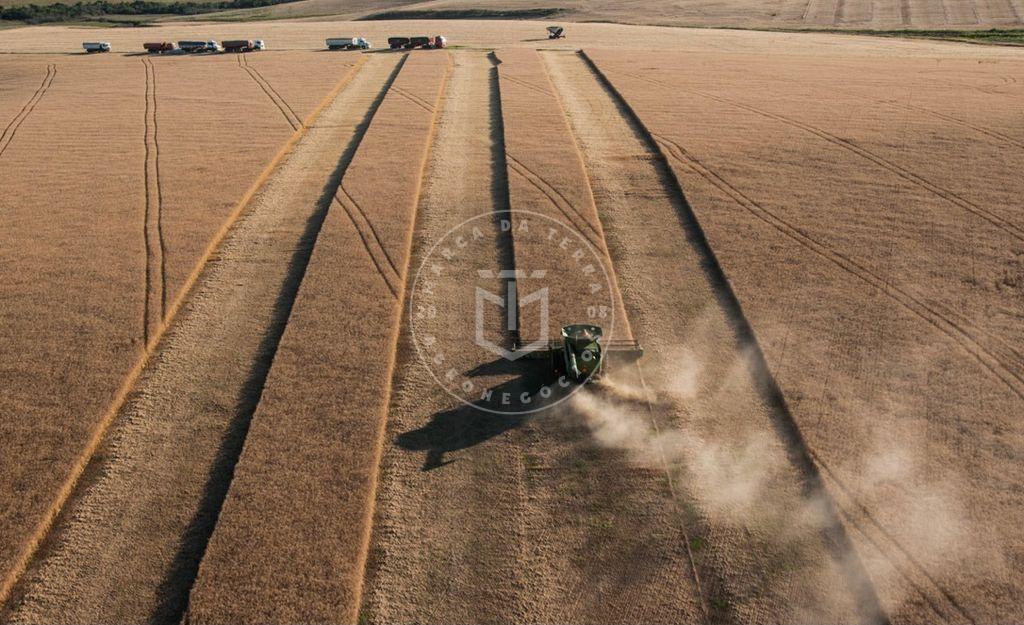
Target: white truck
348,43
96,46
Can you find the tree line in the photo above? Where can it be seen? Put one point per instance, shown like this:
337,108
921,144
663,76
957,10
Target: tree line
59,12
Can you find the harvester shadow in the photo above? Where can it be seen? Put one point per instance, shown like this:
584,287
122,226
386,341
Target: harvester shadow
177,585
469,425
834,534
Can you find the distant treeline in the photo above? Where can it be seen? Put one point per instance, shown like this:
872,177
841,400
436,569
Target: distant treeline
57,12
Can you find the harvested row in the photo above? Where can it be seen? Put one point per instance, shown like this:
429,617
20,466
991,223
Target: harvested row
909,299
712,401
75,257
128,545
558,240
601,538
448,537
292,536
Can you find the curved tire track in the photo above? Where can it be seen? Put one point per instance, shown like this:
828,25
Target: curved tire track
12,127
554,195
155,308
999,222
283,106
949,327
371,241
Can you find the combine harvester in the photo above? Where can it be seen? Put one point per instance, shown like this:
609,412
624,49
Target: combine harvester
582,353
92,47
348,43
556,32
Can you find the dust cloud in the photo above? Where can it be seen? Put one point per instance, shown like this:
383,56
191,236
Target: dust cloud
700,426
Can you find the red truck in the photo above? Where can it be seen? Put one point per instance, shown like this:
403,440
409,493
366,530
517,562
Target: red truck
159,47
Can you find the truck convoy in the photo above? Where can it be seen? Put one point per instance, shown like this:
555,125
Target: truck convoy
96,46
348,43
410,43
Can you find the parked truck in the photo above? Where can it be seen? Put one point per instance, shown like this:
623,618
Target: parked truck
192,46
91,47
159,47
239,45
348,43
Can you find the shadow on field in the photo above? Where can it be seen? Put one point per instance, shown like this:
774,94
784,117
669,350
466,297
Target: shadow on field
798,451
469,425
177,585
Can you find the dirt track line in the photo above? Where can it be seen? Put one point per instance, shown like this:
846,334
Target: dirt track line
12,128
564,206
519,81
914,563
351,207
415,99
42,530
245,62
789,431
373,250
603,247
289,115
378,450
1005,225
156,262
949,327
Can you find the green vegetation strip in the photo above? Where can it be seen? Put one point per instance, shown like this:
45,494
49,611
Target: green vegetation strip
58,12
464,14
993,35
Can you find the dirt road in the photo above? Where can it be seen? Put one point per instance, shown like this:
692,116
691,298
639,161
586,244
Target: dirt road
128,546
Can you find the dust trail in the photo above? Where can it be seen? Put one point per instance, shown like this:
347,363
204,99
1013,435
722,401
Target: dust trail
733,477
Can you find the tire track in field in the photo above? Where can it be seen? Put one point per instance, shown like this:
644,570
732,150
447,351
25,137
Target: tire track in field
985,130
364,227
371,240
1000,223
554,195
789,432
904,552
415,99
947,326
1005,366
12,127
154,312
275,97
81,475
532,86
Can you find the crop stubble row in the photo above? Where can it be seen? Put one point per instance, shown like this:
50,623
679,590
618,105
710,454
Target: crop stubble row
73,306
898,276
310,459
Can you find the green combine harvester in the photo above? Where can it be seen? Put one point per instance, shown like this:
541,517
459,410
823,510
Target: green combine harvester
582,353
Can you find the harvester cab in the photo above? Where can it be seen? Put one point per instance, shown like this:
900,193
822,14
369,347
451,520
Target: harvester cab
582,353
556,32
